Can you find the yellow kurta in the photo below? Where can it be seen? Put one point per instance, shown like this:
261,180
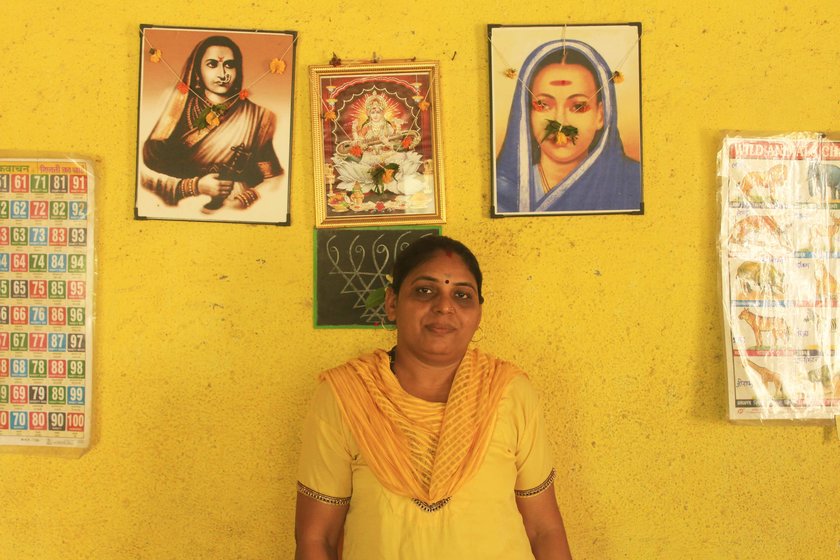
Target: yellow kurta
480,520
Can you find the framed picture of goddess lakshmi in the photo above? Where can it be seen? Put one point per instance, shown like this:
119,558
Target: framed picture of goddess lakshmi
214,125
376,144
566,119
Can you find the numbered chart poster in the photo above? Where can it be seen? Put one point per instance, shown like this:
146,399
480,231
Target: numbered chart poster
780,257
46,301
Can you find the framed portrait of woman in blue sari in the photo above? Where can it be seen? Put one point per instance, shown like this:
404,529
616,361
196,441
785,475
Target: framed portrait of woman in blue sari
566,119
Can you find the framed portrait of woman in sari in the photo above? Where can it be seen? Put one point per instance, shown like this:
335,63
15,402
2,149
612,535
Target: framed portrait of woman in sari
214,125
377,144
566,119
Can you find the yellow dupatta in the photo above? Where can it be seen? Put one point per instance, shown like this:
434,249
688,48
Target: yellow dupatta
412,450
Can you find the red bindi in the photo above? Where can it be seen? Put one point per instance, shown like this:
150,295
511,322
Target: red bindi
446,281
561,83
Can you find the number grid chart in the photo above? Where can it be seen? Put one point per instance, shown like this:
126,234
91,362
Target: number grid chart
46,301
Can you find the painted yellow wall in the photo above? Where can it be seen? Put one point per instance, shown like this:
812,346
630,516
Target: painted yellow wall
205,353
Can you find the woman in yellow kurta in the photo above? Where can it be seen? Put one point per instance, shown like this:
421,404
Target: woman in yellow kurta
430,450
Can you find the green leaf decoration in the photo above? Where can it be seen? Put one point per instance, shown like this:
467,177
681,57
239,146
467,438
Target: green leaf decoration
375,298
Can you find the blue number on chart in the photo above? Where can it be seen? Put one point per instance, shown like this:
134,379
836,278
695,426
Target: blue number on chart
58,342
75,395
58,262
37,315
19,420
37,236
20,367
20,210
78,210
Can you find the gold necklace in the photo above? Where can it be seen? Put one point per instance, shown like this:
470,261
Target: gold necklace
545,186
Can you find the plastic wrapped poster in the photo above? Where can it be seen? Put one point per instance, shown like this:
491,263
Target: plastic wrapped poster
780,257
46,301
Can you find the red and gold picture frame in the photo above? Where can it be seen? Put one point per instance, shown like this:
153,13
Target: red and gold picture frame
377,144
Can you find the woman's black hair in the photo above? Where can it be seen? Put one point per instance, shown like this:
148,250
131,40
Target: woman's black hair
424,249
198,54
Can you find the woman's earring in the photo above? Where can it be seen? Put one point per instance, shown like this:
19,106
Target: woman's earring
480,335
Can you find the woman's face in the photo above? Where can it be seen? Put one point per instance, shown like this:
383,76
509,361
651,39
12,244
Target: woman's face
437,310
375,112
218,70
566,93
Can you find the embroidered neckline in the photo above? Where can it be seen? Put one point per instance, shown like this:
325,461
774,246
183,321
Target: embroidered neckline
431,507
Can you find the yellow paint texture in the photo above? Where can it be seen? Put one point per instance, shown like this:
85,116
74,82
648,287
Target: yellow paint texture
205,353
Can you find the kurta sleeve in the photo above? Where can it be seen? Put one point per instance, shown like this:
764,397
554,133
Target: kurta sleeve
534,463
324,471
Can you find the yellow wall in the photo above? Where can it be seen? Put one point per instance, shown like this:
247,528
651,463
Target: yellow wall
205,353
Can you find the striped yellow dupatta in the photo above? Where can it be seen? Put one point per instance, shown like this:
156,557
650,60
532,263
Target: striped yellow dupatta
425,451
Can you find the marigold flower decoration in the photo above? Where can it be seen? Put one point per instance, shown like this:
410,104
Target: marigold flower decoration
155,55
330,116
277,66
244,94
406,142
510,73
211,116
382,175
356,151
424,105
212,119
559,134
182,87
617,77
